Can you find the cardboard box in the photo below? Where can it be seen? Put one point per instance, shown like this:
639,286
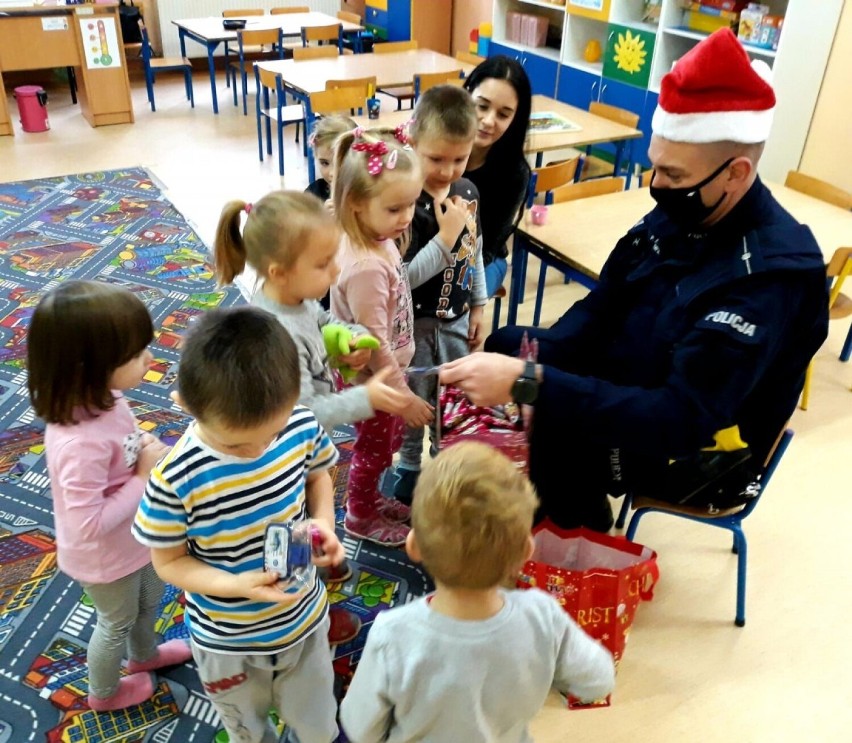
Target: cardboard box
533,30
734,6
513,26
770,31
706,23
750,20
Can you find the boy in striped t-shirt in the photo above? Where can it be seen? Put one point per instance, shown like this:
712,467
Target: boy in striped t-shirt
252,456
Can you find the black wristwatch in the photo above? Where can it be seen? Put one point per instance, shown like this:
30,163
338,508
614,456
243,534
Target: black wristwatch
525,387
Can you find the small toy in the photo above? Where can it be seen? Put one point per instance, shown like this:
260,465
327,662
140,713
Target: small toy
338,342
287,551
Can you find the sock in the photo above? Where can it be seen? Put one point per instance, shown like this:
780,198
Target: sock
171,653
132,690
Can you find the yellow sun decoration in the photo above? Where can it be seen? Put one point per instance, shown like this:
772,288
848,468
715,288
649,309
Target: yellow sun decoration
629,52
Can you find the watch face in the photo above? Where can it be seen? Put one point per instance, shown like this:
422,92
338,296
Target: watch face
525,391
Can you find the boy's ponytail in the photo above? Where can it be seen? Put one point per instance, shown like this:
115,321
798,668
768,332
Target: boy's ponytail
229,249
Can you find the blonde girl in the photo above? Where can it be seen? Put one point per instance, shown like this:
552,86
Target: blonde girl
377,181
325,133
87,343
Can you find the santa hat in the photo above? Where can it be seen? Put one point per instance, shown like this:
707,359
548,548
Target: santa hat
715,94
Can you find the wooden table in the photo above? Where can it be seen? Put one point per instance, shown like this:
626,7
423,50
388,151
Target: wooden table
580,235
210,33
40,37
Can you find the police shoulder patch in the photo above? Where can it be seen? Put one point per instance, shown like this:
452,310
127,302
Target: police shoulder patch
732,322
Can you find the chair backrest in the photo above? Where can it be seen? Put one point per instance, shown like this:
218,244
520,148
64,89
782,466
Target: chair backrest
545,179
338,100
237,13
314,52
343,15
332,32
423,81
614,113
260,37
366,84
469,57
394,46
839,268
292,9
769,467
821,190
587,189
267,78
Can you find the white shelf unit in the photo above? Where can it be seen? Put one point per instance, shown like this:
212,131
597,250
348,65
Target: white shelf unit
798,64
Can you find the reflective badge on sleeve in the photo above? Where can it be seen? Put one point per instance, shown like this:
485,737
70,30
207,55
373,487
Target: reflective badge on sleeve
738,326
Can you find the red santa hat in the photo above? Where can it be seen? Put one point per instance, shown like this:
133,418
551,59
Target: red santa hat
715,94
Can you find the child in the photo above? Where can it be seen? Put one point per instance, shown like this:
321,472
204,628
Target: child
447,308
377,180
472,661
253,456
291,240
326,131
87,342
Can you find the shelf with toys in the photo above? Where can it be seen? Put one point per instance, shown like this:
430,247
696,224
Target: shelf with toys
617,52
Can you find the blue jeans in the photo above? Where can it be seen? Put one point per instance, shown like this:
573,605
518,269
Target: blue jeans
495,272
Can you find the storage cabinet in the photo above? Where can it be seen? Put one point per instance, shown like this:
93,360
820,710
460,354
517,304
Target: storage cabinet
635,55
426,21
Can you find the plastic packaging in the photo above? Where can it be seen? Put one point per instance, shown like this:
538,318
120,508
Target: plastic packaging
287,551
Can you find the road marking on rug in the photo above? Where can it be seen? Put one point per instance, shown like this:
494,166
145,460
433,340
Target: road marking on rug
78,619
26,707
40,624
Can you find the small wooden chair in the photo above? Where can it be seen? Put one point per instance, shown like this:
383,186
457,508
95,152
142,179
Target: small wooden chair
839,307
268,84
331,35
269,41
315,52
594,167
356,41
366,86
291,9
423,81
337,101
730,519
470,58
402,92
821,190
238,13
153,65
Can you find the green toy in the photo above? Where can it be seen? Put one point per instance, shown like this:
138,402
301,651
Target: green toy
338,342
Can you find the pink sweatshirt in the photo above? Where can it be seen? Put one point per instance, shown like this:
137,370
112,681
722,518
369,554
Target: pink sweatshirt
96,494
372,290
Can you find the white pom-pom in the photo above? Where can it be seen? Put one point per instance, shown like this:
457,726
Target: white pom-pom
763,70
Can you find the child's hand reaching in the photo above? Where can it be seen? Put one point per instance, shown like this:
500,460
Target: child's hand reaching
475,331
332,549
451,215
150,453
260,585
384,397
358,359
418,412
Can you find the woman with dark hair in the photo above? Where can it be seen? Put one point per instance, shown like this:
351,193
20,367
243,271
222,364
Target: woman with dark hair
497,166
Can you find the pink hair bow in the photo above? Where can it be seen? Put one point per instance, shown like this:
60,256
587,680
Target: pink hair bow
375,151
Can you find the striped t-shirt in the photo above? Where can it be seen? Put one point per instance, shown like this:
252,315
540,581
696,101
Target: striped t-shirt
219,505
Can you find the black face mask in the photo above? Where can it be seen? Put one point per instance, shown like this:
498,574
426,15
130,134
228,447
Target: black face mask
684,205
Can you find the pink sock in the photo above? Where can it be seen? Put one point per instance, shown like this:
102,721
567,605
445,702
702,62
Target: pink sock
171,653
132,690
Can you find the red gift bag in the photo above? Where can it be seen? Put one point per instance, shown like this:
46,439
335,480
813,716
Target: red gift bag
599,580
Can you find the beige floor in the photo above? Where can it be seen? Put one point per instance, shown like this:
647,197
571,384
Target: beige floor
688,673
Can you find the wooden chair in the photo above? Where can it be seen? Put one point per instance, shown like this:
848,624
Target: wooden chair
268,84
549,177
594,167
499,296
331,35
269,40
238,13
402,92
315,52
821,190
365,86
356,41
425,80
152,65
587,189
839,307
469,57
325,102
291,9
730,519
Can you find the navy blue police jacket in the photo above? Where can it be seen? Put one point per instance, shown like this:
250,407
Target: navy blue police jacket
688,333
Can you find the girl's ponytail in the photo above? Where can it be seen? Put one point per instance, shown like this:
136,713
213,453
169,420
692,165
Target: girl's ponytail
229,249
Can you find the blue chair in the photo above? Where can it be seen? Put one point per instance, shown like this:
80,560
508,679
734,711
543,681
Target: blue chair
270,83
153,65
730,519
331,35
269,41
619,116
425,80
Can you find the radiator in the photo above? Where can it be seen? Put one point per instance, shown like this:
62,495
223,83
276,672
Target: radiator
170,10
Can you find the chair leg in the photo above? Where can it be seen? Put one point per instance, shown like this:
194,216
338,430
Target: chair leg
806,389
245,93
847,346
742,558
72,83
190,94
634,523
149,83
539,294
495,321
522,285
625,509
280,148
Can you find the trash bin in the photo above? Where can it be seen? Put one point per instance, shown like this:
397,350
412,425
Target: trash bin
32,105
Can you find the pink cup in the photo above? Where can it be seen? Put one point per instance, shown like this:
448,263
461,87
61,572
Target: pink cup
539,214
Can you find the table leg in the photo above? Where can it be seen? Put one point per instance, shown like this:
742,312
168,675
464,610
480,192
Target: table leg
519,252
211,64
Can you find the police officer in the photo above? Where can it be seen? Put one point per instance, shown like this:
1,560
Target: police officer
706,315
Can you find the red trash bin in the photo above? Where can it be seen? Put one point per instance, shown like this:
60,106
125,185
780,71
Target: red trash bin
32,104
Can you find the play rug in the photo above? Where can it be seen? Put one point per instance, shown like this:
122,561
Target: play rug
115,226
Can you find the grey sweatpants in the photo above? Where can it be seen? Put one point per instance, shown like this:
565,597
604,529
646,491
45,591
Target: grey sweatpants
297,682
126,612
435,342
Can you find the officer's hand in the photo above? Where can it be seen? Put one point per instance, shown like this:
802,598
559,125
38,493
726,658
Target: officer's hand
486,378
